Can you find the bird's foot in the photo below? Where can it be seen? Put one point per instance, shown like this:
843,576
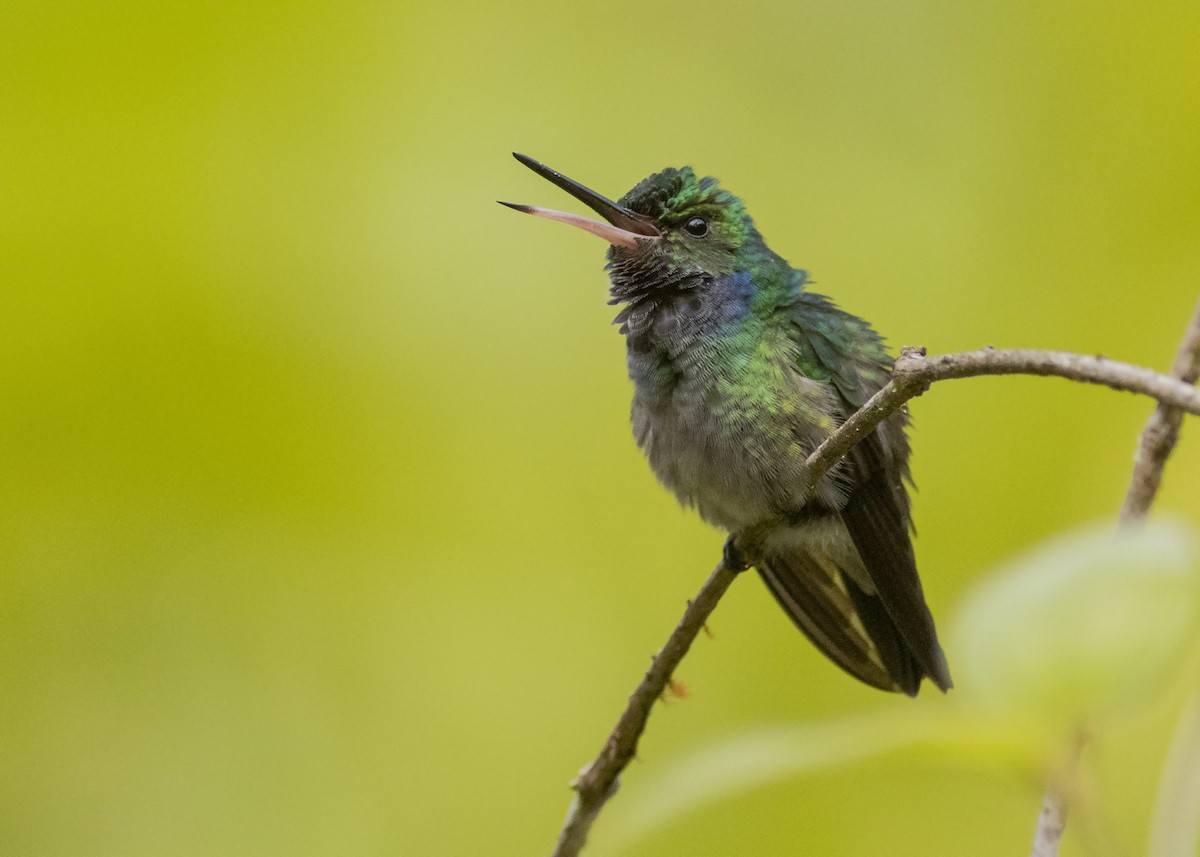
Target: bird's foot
734,557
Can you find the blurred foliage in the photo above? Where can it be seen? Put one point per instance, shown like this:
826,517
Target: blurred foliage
321,529
1050,647
1083,629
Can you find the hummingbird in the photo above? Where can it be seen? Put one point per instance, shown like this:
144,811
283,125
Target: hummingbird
739,372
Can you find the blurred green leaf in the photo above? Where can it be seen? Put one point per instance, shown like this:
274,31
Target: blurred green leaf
1091,622
1175,830
745,762
759,757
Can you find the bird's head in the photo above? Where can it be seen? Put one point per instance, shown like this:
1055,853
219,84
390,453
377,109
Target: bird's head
672,232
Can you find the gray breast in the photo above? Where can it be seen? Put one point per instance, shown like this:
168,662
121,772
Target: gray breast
738,459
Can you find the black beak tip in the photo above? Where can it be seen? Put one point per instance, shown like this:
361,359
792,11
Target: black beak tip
516,206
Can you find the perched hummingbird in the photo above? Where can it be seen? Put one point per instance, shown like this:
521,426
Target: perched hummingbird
739,372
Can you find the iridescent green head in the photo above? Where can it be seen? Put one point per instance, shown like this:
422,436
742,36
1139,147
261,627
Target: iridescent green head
686,207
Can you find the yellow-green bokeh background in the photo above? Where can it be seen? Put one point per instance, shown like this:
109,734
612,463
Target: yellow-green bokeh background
321,528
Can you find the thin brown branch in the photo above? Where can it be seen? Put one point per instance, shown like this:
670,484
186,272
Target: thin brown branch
1157,441
912,376
914,373
1056,802
1051,823
1162,430
598,781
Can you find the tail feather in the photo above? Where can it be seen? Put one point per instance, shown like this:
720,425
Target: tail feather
848,624
878,527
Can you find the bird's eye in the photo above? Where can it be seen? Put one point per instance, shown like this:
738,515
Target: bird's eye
697,227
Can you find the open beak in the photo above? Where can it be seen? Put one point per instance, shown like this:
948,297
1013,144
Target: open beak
624,227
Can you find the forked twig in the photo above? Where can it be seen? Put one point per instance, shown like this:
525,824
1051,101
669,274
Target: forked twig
1157,441
912,375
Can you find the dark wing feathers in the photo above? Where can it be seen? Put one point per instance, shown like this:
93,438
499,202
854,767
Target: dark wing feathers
880,533
844,351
